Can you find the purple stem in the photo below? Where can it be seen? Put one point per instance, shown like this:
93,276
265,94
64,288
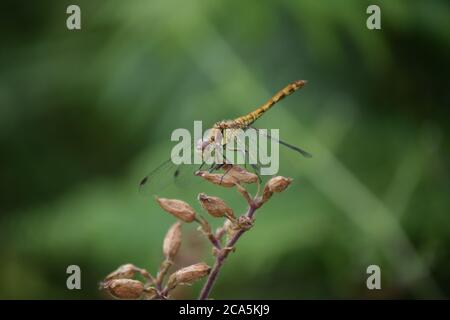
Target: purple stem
221,256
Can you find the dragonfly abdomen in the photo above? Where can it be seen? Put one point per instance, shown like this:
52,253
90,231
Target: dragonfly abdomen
251,117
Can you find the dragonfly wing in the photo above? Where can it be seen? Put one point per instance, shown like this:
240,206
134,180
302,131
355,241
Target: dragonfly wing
160,178
168,174
304,153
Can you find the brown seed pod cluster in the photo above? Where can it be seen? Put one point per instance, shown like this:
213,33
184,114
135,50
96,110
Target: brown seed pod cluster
122,283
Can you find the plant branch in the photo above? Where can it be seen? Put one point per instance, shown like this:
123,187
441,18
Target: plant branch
120,283
147,275
222,255
165,266
206,229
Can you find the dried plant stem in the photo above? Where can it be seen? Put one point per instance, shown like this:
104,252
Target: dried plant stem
165,266
206,229
220,232
150,280
214,241
222,255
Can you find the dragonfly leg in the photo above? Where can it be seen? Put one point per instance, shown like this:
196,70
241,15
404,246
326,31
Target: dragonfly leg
254,166
201,166
225,162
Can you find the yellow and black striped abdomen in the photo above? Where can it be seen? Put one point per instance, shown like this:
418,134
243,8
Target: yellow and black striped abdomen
248,119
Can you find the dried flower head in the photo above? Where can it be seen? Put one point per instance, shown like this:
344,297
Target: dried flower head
278,184
172,241
125,271
275,184
125,288
178,208
215,206
240,174
188,275
220,179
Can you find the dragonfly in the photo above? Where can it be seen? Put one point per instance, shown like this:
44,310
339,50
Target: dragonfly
223,133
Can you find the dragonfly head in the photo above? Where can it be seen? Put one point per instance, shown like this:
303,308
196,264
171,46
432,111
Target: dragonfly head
213,134
202,144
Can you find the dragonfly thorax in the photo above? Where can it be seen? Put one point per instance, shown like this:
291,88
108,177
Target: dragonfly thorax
224,130
228,124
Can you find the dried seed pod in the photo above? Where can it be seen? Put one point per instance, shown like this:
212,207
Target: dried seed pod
125,288
215,206
266,195
172,241
240,174
275,184
125,271
278,184
178,208
223,180
188,275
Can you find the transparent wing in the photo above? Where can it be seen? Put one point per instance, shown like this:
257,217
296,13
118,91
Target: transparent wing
245,146
304,153
167,175
162,176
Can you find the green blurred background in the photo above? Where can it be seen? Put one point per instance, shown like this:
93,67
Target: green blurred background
84,115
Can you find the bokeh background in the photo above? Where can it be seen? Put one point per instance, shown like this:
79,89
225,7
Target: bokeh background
84,115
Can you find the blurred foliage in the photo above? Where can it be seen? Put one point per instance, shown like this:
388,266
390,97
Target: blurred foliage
85,114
